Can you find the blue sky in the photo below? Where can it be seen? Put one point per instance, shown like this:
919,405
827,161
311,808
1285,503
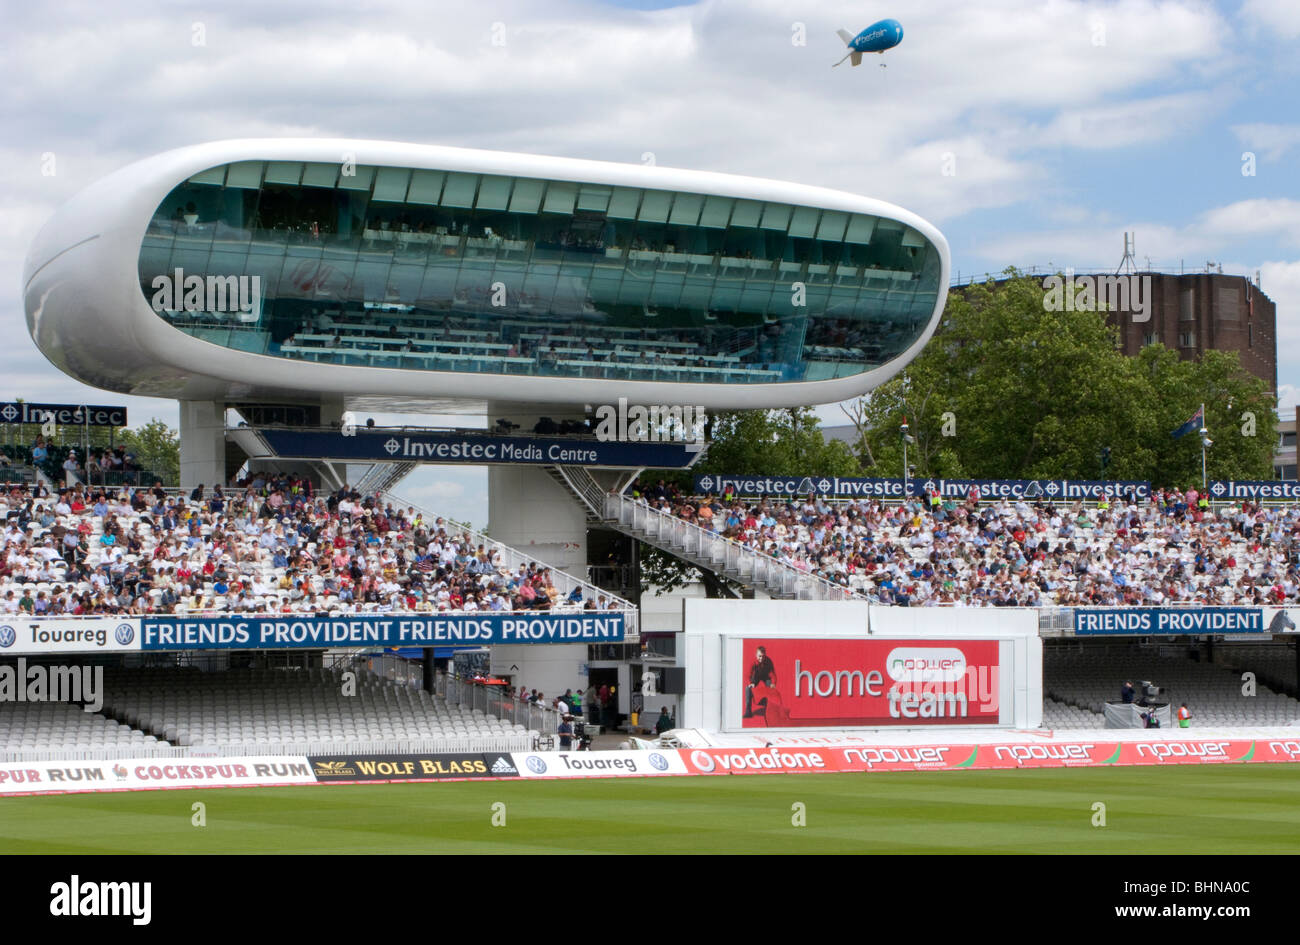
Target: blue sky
1067,122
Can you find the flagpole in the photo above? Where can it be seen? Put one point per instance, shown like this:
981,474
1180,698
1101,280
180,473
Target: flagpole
1204,485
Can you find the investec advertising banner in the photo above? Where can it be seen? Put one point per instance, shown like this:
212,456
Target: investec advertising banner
70,635
1255,490
834,683
127,774
989,489
95,415
275,633
1125,621
398,446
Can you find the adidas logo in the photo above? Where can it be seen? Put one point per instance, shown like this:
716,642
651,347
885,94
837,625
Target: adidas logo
503,766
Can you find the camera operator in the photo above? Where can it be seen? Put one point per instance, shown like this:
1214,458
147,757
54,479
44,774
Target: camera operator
565,731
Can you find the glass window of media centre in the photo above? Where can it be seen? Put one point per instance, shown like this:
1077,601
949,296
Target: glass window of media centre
447,271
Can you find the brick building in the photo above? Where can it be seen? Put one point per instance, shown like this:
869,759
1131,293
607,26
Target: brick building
1204,311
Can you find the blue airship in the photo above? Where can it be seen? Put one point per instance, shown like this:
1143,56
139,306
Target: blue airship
876,38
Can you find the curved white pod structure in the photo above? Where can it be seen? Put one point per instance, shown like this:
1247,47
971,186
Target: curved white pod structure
449,278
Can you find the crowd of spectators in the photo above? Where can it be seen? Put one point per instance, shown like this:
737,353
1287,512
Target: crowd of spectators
1172,549
66,464
272,546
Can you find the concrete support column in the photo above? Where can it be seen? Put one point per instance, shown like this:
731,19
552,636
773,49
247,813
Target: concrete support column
203,443
529,510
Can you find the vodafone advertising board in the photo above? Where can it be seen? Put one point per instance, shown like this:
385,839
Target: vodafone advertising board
939,757
841,683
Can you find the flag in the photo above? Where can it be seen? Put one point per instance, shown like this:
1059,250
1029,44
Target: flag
1197,421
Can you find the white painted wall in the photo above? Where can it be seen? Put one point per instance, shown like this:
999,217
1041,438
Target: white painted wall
548,668
530,511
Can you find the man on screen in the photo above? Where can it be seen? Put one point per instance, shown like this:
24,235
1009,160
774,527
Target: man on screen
762,671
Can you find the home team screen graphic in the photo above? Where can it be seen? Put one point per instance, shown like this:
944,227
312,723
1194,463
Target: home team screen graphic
792,683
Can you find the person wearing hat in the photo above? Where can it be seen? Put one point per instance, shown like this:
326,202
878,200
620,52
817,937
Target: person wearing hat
565,731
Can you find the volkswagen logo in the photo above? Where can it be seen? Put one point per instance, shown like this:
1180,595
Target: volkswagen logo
7,637
658,761
124,634
536,765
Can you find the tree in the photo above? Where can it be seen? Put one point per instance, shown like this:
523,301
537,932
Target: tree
1029,394
157,449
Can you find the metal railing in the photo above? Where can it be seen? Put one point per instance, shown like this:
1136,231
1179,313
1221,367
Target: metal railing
584,486
718,553
497,702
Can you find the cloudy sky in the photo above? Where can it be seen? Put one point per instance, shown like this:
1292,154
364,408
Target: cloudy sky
1032,133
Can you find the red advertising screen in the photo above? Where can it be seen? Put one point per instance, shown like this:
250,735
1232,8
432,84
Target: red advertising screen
821,683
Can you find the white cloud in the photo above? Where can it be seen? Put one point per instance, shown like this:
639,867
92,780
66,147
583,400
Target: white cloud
1273,141
1278,18
1280,281
1213,233
436,491
1125,124
1276,218
1288,399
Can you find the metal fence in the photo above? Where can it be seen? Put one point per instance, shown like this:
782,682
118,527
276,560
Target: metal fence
497,702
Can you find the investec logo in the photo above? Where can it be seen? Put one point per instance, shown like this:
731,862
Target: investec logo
1130,294
654,424
178,292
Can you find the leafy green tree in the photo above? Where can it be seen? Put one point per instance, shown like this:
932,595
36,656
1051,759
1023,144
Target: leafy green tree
157,449
1008,390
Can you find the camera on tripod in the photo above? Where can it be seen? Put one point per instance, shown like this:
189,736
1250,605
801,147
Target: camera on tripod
1149,693
581,740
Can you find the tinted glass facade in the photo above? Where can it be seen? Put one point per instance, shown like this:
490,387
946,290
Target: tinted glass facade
447,271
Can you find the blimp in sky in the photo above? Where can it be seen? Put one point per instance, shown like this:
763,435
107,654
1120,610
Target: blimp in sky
876,38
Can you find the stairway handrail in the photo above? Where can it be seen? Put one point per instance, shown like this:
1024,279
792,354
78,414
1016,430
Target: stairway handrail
830,589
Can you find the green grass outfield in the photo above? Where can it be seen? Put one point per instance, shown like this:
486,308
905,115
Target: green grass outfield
1174,809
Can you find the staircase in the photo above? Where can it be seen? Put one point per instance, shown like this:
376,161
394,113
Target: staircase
717,554
584,489
383,477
